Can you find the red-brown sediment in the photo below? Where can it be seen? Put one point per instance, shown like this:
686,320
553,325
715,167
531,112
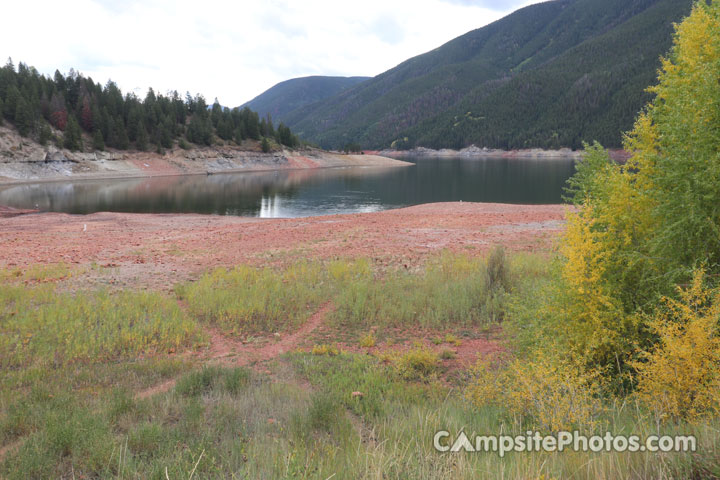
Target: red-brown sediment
157,250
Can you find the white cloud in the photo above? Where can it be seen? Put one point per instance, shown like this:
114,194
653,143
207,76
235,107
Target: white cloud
231,50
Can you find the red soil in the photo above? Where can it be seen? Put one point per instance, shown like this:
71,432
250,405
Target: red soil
160,250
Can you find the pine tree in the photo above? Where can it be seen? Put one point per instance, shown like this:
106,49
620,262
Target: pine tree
10,106
1,111
239,135
86,115
165,133
265,145
216,113
142,137
224,128
285,136
269,126
58,113
98,142
23,117
121,138
45,134
72,139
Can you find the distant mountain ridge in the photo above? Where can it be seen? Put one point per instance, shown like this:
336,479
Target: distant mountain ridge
550,75
296,93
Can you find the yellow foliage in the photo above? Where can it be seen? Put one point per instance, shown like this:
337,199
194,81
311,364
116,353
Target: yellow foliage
329,350
452,340
594,326
420,363
680,379
643,225
555,394
368,340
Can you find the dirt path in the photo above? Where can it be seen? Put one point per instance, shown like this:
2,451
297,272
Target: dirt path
230,352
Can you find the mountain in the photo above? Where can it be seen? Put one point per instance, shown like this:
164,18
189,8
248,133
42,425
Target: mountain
549,75
296,93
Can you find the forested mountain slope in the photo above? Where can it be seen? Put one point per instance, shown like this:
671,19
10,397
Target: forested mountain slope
292,94
549,75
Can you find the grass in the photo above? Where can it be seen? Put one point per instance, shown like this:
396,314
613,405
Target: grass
451,291
324,414
41,325
251,300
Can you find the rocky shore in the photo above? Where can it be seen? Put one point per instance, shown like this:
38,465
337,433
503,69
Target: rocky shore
477,152
22,160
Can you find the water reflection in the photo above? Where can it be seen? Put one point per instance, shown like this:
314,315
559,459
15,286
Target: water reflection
297,193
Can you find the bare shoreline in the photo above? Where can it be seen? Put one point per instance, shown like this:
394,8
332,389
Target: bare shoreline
158,250
144,165
474,152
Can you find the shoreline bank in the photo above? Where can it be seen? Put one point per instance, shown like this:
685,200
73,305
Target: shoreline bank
474,152
23,161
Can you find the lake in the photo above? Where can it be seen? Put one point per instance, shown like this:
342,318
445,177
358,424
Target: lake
300,193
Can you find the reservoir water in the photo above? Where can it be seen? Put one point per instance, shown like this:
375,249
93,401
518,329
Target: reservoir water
299,193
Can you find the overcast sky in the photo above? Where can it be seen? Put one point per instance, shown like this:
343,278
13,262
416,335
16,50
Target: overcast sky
232,50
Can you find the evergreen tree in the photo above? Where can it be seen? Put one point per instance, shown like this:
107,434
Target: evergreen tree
142,138
265,145
269,126
216,113
45,134
86,115
23,117
225,128
165,133
285,136
239,135
72,139
10,104
121,138
133,123
58,115
98,142
26,98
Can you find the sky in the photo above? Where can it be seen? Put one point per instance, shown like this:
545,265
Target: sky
232,50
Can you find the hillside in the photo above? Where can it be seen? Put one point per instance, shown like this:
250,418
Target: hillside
547,76
76,113
292,94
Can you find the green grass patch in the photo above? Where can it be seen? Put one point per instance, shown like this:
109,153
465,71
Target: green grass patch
451,291
38,324
247,299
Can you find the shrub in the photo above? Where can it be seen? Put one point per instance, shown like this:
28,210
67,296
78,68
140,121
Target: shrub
453,340
644,226
199,382
447,354
552,394
236,380
680,378
497,270
420,363
328,350
368,340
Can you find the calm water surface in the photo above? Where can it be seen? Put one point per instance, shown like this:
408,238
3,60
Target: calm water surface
300,193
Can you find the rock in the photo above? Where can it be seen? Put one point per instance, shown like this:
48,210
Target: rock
56,156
